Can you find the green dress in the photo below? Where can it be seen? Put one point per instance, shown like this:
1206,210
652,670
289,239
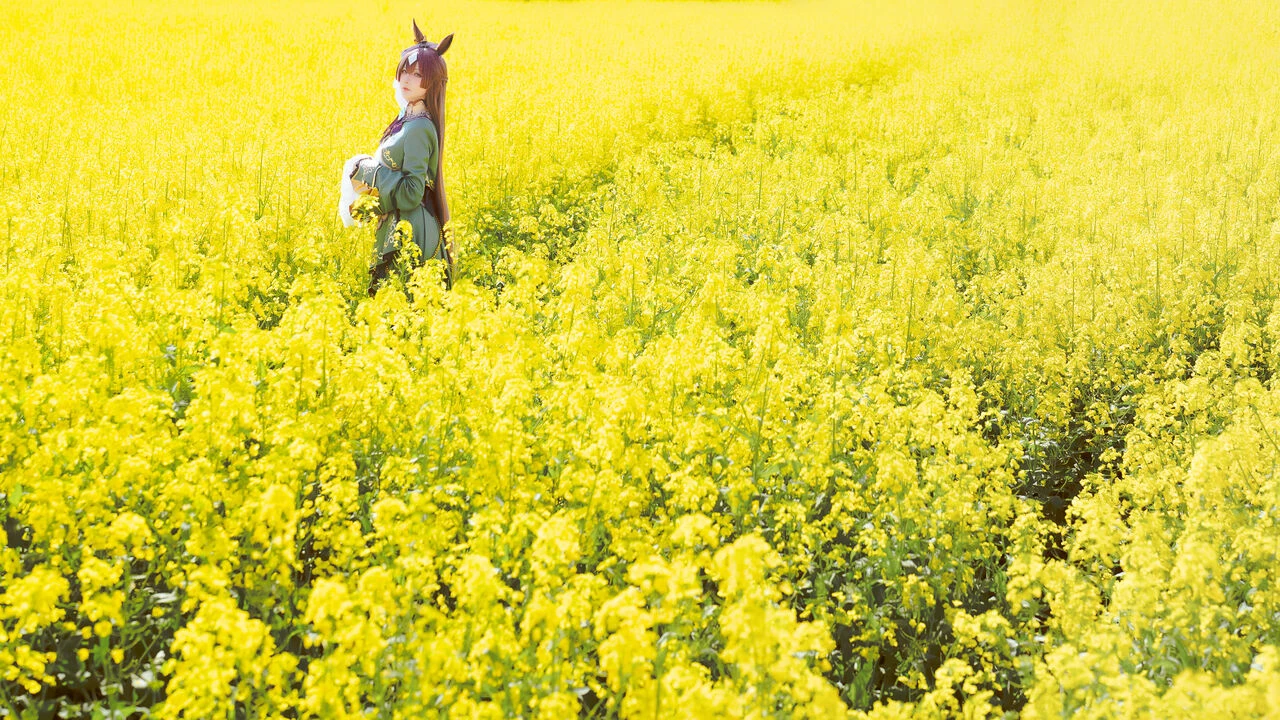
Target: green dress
406,169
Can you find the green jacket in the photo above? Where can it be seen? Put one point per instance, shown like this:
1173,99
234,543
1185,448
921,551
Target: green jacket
407,164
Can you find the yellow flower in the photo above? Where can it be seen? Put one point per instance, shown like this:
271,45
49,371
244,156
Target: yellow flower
365,209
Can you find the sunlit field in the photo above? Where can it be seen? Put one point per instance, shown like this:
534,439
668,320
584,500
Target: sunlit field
804,359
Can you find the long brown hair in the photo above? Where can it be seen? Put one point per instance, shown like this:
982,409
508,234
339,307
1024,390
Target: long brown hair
426,59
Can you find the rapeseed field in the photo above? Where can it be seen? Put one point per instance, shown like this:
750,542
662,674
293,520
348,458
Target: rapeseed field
804,359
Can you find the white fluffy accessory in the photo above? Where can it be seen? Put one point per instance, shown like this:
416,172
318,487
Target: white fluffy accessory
346,191
395,85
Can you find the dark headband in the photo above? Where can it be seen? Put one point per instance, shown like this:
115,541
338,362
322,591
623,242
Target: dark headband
422,43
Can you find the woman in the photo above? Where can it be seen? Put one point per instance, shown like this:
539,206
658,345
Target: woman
406,172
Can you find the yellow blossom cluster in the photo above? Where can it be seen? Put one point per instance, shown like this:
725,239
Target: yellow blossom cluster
815,359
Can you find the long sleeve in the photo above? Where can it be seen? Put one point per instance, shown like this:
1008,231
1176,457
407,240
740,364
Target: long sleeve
402,189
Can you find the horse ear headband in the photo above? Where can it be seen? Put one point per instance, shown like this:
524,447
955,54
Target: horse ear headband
422,43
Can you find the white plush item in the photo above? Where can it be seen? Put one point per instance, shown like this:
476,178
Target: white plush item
395,85
346,191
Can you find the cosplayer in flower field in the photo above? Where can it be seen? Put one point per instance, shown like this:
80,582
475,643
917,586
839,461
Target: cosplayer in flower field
402,185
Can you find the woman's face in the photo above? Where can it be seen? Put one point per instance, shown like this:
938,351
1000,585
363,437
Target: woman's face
411,85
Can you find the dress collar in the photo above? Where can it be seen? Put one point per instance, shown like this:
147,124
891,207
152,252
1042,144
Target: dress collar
406,117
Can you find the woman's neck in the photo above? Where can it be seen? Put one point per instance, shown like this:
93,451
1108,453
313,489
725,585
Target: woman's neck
416,109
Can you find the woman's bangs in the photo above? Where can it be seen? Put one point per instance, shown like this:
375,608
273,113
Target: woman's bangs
410,62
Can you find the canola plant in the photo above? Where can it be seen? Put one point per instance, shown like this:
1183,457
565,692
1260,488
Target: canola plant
805,359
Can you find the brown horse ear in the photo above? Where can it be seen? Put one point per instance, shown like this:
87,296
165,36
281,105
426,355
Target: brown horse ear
444,44
417,34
